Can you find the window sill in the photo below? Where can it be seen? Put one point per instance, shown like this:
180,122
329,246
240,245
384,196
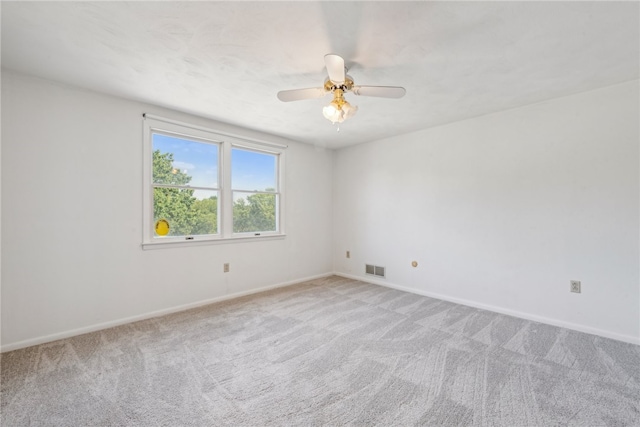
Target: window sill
191,243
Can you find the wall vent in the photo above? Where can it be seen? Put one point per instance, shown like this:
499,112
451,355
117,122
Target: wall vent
374,270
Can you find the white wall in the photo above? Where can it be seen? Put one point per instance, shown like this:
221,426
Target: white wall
502,211
72,219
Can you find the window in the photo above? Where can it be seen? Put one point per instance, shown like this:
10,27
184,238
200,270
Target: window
185,185
254,188
205,186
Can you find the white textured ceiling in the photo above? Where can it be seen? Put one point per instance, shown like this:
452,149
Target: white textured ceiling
227,60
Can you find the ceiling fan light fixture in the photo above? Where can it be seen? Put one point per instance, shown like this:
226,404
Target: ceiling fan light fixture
333,113
349,110
339,109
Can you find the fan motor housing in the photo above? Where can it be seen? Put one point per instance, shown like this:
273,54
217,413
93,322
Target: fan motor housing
330,86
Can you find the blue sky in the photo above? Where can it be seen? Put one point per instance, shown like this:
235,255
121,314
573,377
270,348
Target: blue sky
250,170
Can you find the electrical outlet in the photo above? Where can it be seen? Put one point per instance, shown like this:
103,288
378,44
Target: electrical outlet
225,267
576,286
348,254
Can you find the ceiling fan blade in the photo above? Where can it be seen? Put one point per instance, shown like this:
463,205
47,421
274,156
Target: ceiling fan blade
335,67
300,94
380,91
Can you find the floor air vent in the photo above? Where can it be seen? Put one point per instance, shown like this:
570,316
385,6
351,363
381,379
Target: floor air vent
374,270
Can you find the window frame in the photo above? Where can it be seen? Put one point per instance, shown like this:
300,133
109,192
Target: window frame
154,185
277,192
226,143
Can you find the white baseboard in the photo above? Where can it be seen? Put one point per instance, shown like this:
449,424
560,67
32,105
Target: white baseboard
149,315
527,316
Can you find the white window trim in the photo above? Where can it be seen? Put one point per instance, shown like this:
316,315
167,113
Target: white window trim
279,189
226,143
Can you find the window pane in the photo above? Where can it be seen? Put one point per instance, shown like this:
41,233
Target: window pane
184,162
254,212
188,212
253,171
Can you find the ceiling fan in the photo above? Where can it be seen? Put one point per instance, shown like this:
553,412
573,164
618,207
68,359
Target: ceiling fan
338,83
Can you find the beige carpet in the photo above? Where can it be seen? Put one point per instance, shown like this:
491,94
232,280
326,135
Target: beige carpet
331,351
